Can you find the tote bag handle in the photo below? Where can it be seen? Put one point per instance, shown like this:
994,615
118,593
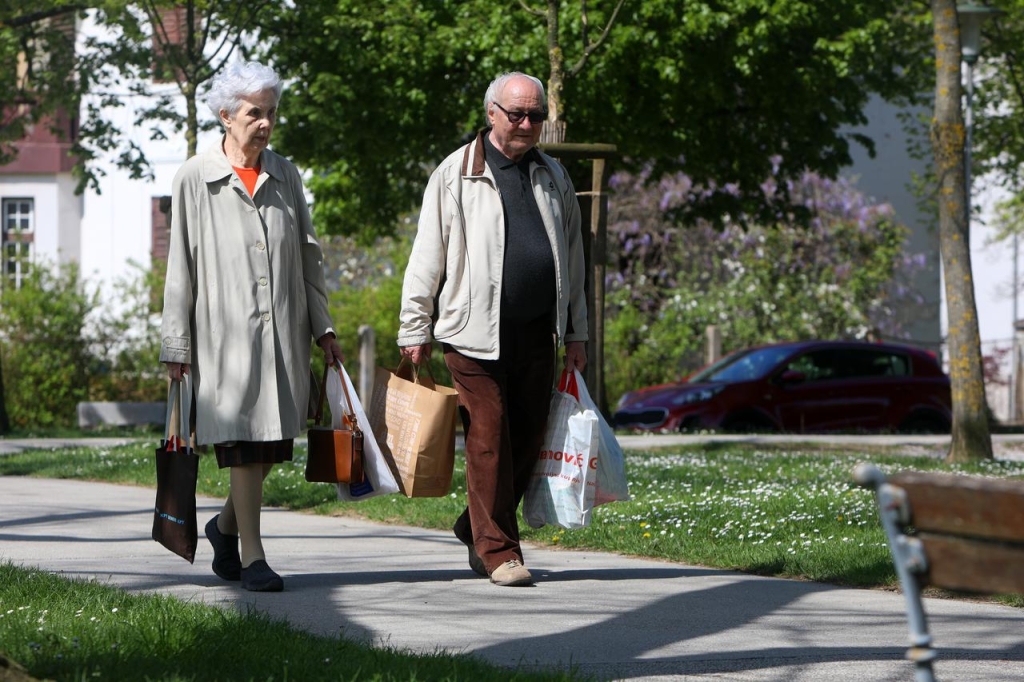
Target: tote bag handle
179,395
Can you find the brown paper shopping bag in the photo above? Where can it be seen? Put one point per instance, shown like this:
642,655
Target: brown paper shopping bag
413,420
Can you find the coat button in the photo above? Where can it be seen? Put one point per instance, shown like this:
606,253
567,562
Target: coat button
266,317
261,246
263,281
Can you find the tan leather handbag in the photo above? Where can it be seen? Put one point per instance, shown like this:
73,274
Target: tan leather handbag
335,455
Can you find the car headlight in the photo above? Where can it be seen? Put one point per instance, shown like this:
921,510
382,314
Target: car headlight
698,396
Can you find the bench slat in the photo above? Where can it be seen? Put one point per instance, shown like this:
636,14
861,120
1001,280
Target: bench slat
964,505
973,565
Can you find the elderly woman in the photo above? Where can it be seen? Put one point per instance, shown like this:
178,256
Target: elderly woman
245,295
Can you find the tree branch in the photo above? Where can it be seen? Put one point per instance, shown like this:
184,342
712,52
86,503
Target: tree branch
535,12
25,20
1014,77
593,47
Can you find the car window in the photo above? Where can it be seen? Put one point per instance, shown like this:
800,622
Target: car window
747,366
850,363
878,363
817,366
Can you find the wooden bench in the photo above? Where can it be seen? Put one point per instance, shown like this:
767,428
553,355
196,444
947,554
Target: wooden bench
963,533
92,414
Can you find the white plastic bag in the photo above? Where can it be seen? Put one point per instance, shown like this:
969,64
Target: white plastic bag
378,479
564,479
611,465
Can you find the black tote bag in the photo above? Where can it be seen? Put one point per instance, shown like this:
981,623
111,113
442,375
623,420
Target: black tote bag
177,468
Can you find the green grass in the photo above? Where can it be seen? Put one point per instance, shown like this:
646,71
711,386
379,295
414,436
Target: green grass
74,630
100,431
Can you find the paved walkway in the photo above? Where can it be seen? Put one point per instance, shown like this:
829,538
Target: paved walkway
612,616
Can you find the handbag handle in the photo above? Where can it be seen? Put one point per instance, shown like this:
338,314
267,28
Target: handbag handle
347,416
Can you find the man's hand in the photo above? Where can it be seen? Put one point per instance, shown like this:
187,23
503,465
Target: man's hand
575,355
418,354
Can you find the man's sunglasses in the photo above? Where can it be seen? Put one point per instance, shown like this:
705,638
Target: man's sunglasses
516,117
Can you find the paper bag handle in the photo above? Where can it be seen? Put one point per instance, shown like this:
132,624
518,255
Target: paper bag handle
410,372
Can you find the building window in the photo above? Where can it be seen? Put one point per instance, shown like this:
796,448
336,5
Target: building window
18,216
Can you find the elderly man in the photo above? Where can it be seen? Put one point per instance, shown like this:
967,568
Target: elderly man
496,276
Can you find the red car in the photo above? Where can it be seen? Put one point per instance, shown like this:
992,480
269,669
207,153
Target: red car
801,387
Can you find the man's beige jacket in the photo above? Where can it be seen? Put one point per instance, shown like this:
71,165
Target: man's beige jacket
452,287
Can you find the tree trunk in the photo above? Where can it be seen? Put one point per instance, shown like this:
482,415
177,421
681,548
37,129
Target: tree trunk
193,48
971,438
556,61
191,118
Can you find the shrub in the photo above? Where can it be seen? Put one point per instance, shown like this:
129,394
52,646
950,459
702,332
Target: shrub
45,356
366,289
125,342
834,277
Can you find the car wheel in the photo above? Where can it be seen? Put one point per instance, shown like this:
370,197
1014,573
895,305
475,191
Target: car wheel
925,423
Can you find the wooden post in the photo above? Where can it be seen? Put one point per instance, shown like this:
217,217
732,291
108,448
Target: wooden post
367,363
713,349
1017,415
595,245
598,267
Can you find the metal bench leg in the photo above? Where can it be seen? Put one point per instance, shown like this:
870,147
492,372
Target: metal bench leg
908,555
909,560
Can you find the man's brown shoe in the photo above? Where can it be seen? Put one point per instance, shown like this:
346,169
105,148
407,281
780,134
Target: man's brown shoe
511,574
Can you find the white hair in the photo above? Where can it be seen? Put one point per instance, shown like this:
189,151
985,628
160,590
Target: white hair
236,81
498,85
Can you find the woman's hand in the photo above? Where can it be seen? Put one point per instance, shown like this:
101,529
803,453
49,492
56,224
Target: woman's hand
175,370
332,349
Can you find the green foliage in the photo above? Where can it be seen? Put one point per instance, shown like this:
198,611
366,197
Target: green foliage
60,346
45,358
378,92
997,152
383,91
834,278
36,62
125,343
366,283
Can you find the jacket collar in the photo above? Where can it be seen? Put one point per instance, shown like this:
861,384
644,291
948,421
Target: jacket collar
216,166
474,158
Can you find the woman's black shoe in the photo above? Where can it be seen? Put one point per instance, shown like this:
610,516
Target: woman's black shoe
259,577
227,564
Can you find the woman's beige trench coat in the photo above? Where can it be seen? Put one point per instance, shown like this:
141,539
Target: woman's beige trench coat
244,297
